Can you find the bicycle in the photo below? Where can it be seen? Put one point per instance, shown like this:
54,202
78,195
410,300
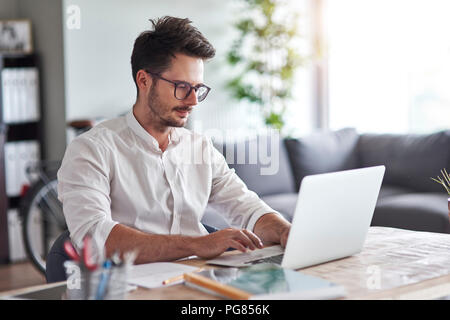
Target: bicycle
40,210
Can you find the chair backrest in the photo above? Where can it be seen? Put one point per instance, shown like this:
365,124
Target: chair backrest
54,270
262,163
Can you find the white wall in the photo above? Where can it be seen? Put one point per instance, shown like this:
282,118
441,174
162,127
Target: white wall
87,72
8,9
48,43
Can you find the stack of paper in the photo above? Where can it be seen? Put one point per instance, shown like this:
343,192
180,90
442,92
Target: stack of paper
152,275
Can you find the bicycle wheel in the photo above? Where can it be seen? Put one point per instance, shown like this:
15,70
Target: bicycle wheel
43,220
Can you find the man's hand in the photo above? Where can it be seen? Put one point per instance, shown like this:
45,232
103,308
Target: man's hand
216,243
272,229
284,236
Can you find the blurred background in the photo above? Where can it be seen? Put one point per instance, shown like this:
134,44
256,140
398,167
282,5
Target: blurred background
378,66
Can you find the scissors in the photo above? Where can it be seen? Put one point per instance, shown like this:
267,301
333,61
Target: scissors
86,253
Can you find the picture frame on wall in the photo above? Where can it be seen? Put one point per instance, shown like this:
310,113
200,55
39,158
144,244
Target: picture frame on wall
15,36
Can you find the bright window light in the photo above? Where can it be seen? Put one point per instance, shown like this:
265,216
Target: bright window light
389,65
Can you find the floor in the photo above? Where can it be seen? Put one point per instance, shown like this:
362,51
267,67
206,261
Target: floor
19,275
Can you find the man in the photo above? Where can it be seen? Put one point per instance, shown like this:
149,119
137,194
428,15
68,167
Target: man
130,182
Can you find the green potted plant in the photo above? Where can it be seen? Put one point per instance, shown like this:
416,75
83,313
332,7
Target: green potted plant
264,57
445,182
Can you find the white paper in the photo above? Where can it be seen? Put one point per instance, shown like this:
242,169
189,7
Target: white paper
151,275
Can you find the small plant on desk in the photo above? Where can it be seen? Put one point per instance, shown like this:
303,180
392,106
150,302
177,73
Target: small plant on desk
445,182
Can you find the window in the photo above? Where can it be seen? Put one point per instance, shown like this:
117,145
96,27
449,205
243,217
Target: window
389,65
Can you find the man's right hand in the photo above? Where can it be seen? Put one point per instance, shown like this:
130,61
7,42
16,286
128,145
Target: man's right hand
216,243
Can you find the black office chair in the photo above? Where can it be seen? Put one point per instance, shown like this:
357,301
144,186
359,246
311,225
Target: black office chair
54,270
54,266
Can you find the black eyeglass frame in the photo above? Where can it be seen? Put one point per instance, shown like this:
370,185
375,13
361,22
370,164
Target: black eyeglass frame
176,83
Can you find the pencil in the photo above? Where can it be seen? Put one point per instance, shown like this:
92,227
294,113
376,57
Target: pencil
178,278
220,288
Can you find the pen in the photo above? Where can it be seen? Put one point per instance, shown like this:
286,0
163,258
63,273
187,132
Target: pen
180,277
104,279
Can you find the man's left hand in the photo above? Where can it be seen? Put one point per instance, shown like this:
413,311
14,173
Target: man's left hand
284,236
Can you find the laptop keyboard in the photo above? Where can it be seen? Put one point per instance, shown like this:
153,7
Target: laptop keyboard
273,259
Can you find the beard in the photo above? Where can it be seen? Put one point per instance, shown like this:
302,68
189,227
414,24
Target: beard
163,113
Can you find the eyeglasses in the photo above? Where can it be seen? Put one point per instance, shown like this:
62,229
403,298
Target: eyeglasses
183,89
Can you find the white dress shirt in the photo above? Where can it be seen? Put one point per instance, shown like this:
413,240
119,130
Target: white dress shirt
116,173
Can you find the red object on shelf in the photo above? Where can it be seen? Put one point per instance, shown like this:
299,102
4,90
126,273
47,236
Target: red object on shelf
24,190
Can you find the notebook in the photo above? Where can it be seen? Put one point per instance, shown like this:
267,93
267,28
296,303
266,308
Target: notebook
264,281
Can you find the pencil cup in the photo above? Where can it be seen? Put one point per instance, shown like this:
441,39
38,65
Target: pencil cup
99,284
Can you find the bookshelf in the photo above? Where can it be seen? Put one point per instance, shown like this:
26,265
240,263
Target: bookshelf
20,136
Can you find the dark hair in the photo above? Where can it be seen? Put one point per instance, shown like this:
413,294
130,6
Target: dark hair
154,49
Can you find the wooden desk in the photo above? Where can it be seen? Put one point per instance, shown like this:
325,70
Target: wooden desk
394,264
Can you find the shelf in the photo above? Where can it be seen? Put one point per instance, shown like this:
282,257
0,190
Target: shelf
18,60
13,202
23,131
14,132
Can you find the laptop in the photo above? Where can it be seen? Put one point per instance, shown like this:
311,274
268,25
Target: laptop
331,220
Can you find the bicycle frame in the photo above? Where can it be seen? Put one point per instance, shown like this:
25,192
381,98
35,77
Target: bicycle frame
50,199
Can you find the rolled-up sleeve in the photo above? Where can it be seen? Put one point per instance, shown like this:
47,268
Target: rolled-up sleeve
240,206
84,190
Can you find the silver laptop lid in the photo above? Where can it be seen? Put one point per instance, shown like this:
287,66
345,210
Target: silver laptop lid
332,216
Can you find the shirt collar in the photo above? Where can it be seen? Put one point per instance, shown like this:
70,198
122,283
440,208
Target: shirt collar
174,136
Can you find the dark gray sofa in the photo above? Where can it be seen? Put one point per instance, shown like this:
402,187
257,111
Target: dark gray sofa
408,199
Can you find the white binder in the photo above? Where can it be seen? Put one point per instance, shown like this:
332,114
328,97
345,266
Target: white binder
10,170
20,90
6,95
18,156
15,237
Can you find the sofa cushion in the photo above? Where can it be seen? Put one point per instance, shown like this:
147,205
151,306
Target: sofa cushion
389,191
261,164
414,211
284,203
410,159
321,152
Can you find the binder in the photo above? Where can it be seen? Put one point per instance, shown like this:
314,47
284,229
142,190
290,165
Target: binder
10,169
15,237
18,156
14,94
21,95
34,94
20,87
6,95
